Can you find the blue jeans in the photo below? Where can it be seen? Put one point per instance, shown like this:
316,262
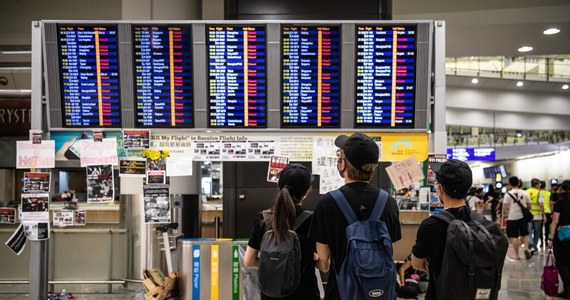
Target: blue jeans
535,231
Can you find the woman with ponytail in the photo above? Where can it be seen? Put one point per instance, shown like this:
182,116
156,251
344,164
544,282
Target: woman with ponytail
294,185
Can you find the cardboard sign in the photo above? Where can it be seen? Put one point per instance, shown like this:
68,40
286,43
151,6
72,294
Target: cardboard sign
405,173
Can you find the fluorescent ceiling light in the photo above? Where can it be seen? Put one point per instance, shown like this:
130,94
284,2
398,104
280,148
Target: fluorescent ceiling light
16,52
474,80
520,83
565,87
525,49
551,31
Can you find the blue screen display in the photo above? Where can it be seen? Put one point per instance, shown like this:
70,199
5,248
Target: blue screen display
468,154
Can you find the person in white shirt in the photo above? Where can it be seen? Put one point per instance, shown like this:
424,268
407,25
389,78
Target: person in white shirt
517,227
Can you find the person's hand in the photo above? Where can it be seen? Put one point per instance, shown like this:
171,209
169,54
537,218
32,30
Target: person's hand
550,244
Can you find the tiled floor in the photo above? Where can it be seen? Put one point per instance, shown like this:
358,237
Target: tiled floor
521,281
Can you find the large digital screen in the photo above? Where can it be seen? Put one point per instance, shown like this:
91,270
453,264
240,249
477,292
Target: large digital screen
385,76
469,154
89,75
163,76
237,88
310,83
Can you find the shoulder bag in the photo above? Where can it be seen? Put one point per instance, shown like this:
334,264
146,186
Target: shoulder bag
527,215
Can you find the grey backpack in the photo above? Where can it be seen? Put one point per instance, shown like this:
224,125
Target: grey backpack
279,267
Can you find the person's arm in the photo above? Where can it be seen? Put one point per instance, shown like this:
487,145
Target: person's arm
250,258
553,225
323,257
420,263
402,271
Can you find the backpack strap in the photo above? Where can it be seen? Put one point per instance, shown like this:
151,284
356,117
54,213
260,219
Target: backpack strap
445,216
345,208
379,205
302,218
349,214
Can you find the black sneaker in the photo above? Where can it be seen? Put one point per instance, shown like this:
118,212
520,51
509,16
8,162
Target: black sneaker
527,254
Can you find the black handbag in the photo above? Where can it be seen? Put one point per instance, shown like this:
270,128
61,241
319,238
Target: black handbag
527,215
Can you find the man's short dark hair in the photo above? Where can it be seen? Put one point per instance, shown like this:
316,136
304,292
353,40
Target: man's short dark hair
514,181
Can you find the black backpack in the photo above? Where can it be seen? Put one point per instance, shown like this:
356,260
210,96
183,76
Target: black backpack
279,267
473,258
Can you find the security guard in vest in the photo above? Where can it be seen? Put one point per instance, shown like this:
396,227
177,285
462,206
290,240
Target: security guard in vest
537,210
548,205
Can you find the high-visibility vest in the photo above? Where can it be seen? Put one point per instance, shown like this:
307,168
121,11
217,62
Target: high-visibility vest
534,206
546,197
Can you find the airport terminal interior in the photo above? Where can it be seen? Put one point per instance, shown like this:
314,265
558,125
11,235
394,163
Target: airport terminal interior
140,138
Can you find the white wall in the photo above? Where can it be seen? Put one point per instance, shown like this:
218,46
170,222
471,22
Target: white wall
507,109
544,168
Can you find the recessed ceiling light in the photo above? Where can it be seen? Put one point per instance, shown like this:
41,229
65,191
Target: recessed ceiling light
525,49
520,83
565,87
474,80
550,31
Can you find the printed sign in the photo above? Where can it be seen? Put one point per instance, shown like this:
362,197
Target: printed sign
36,182
100,184
36,231
136,138
35,207
156,203
7,215
132,167
17,241
276,165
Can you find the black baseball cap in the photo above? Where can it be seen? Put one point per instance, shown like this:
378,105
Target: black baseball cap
455,176
359,149
297,177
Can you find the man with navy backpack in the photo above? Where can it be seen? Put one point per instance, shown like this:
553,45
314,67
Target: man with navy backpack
463,252
357,160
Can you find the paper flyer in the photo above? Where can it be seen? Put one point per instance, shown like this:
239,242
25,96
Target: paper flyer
156,177
36,182
35,207
36,231
132,167
136,138
156,203
276,165
7,215
17,241
100,184
63,218
80,218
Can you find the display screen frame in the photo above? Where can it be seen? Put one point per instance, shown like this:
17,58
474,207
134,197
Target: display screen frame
64,115
281,81
410,125
189,28
262,26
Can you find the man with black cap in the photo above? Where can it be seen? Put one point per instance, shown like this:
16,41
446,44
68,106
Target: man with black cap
453,180
357,160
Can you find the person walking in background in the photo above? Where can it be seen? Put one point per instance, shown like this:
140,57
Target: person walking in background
561,217
537,210
357,160
294,184
517,227
548,206
491,200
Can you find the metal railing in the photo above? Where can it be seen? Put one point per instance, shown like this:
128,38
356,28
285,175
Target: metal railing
502,139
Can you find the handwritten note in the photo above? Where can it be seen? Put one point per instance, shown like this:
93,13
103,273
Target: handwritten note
405,173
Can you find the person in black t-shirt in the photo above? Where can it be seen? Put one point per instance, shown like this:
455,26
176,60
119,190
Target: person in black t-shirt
561,217
294,185
357,160
453,180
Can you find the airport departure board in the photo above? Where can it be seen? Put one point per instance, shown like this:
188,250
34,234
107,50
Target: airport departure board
89,75
163,76
310,76
385,76
236,76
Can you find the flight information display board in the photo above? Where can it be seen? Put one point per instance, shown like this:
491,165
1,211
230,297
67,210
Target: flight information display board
310,76
385,76
236,76
163,76
89,75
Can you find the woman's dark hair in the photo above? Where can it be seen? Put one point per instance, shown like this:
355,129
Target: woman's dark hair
565,186
283,218
294,183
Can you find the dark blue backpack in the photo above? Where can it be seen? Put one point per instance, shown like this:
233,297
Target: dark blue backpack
368,271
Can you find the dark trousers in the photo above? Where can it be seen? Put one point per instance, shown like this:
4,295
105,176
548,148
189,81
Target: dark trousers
547,226
564,271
